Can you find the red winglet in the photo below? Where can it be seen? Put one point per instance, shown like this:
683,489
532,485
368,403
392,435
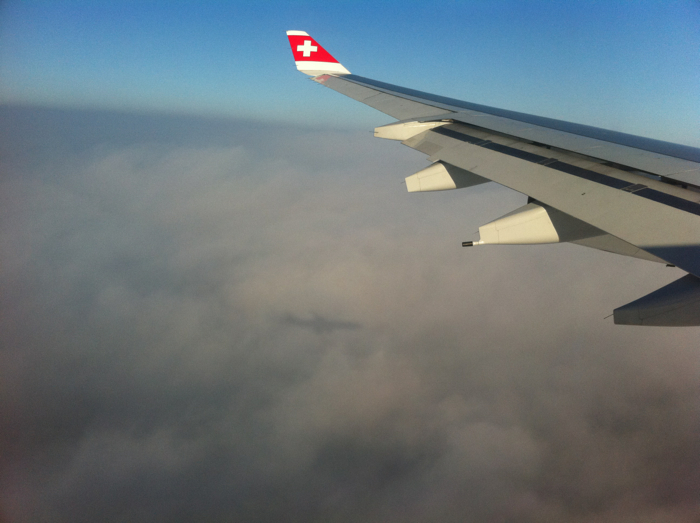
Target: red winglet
311,58
305,48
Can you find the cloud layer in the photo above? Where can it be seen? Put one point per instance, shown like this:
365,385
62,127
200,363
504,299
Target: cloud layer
226,322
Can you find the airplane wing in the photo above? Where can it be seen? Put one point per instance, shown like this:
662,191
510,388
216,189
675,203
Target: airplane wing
602,189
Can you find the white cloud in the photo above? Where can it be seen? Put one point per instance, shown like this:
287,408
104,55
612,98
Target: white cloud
146,291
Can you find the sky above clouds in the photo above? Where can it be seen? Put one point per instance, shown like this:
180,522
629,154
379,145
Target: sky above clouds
219,303
628,66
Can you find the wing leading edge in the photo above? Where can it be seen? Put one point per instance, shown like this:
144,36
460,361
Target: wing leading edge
603,189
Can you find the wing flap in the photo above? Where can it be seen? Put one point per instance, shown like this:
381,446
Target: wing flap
651,162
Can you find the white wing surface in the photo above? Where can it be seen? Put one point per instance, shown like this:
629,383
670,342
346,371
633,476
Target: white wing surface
603,189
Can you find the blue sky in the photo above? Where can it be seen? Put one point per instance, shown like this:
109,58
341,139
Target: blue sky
629,66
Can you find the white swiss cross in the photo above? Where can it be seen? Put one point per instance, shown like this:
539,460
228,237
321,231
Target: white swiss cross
307,48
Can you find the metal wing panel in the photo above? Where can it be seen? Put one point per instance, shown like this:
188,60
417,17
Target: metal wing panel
401,108
351,89
674,161
398,107
638,142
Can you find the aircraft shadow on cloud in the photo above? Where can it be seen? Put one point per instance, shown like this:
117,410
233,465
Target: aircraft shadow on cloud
319,324
602,189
